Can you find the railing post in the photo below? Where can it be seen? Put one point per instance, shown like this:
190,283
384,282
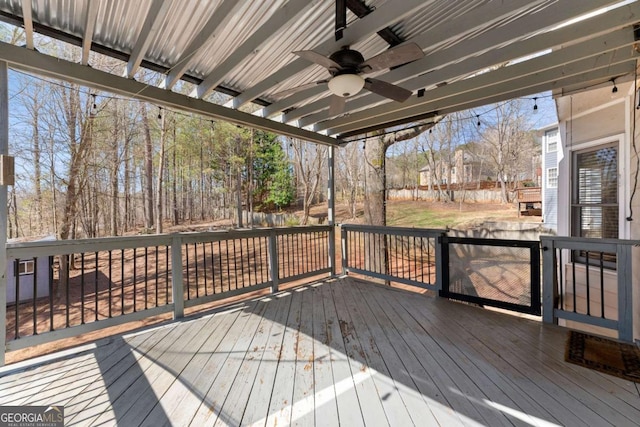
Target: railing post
177,283
625,301
344,246
549,280
442,262
273,261
4,150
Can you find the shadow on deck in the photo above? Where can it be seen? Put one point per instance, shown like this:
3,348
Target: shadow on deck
341,351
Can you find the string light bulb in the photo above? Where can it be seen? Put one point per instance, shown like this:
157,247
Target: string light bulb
615,88
478,117
93,96
535,105
159,113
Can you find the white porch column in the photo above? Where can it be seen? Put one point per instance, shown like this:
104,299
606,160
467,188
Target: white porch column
331,215
4,150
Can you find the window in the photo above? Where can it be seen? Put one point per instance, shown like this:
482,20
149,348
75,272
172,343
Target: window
26,267
552,178
467,173
552,136
594,204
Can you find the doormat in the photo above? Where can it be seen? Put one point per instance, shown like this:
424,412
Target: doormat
604,355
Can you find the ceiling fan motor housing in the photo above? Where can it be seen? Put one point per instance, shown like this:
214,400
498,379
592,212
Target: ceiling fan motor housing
349,59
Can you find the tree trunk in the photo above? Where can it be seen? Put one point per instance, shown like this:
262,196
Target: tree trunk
174,188
202,180
160,176
114,174
148,169
14,208
128,214
375,208
77,162
37,173
239,196
375,178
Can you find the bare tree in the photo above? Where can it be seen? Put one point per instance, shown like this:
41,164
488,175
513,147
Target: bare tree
159,177
350,169
310,161
375,211
509,142
148,168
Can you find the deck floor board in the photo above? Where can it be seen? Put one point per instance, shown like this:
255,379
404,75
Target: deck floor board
547,386
341,352
439,341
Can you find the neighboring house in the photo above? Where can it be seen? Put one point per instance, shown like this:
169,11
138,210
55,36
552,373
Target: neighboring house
551,155
464,169
25,272
597,177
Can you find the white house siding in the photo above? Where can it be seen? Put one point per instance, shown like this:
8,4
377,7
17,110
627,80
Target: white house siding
592,118
634,226
549,195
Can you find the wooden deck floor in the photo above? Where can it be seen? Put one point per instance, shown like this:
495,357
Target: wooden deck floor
342,352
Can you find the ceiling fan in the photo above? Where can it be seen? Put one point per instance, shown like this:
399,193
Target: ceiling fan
347,66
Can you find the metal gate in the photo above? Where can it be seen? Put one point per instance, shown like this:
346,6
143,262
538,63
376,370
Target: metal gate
493,272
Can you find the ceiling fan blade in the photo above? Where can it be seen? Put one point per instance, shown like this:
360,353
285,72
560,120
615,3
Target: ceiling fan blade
316,58
393,57
291,91
337,105
387,90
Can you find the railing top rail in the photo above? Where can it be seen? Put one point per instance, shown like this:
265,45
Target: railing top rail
588,240
481,241
60,247
243,233
302,229
407,231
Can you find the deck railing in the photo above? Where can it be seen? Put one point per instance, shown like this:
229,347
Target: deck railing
404,255
98,283
589,281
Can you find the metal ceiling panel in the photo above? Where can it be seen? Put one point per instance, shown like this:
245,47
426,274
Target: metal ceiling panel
195,39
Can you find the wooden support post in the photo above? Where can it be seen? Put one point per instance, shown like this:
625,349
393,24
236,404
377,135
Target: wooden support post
625,300
442,262
273,261
332,212
4,211
345,253
549,280
177,282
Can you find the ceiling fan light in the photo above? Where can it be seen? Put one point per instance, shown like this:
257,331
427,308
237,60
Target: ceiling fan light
345,85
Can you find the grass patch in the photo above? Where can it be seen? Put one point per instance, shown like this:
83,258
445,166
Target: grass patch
442,215
420,218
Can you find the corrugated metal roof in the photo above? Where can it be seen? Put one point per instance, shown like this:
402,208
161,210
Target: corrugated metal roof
268,66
